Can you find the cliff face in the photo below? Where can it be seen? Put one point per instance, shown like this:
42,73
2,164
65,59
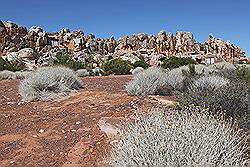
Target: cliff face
14,38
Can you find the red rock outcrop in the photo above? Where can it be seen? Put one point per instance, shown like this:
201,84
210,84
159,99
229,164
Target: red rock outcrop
14,37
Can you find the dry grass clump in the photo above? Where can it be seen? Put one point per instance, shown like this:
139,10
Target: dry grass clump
7,75
187,137
82,73
22,74
210,82
149,82
48,83
137,70
218,94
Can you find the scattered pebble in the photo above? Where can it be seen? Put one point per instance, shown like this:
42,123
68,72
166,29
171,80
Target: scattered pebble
35,136
10,103
41,130
73,130
78,122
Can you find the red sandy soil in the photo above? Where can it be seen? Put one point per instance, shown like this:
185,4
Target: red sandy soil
72,131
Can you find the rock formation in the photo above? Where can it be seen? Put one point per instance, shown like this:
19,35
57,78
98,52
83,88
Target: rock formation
17,42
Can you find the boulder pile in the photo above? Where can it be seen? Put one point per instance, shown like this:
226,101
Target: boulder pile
36,47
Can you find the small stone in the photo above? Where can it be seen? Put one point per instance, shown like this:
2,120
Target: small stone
41,130
35,136
73,130
78,122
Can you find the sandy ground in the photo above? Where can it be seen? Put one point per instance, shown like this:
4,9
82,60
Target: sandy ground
72,131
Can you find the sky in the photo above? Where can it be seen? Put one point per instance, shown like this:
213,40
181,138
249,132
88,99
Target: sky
226,19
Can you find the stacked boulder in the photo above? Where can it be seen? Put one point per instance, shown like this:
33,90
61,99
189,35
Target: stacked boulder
35,44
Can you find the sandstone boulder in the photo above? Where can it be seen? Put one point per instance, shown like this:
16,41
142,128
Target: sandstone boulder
26,53
35,29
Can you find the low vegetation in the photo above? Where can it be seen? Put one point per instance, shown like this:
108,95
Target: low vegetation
117,66
175,62
7,75
49,83
137,70
149,82
11,65
22,74
82,73
218,94
66,60
141,63
186,137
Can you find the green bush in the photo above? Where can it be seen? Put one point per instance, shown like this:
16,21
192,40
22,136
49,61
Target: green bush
11,65
117,66
2,63
175,62
141,63
66,60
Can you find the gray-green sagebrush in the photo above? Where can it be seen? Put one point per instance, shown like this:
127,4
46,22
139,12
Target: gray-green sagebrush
48,83
185,137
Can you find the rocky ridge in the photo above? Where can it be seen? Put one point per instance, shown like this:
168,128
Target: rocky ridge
36,47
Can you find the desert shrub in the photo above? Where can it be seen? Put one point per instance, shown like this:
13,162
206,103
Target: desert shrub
157,81
141,63
176,78
22,74
243,72
7,75
210,83
48,83
15,65
137,70
149,82
224,66
2,63
218,94
66,60
117,66
224,69
175,62
82,73
203,69
187,137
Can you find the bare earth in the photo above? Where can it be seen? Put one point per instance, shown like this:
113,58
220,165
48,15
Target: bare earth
72,131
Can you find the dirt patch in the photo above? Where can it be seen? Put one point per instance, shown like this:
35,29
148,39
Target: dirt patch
72,131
